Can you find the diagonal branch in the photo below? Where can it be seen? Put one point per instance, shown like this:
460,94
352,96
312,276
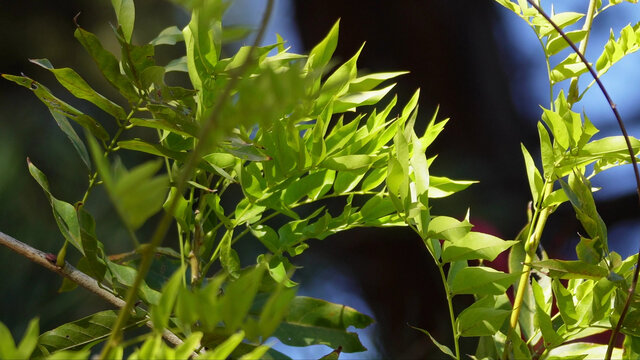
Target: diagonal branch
634,282
48,261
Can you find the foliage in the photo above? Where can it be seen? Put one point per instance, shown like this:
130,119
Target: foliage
288,132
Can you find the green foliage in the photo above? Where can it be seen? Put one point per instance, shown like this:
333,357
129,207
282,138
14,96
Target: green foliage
288,132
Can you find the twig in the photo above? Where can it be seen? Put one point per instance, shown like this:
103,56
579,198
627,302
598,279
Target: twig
632,288
190,164
48,261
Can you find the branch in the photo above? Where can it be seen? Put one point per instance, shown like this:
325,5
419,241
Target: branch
48,261
634,282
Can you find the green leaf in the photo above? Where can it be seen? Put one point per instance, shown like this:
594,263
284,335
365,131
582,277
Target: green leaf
568,68
121,275
93,249
225,349
448,228
338,83
368,82
482,280
542,318
557,126
351,101
161,311
313,321
80,89
275,310
349,162
563,20
26,346
228,256
346,181
64,125
320,55
107,63
126,14
168,36
533,175
571,269
558,43
546,152
485,317
445,349
238,297
63,212
582,350
564,301
56,105
475,246
440,186
190,344
83,333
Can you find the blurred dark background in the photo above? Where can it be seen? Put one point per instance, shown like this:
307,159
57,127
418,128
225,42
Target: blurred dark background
471,58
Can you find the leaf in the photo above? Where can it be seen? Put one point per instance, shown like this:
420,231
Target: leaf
571,269
56,105
229,257
126,14
63,212
313,321
225,349
349,162
445,349
485,317
168,36
558,43
320,55
161,311
83,333
568,68
564,301
351,101
546,152
475,246
81,149
93,249
533,175
80,89
136,194
190,344
482,280
368,82
440,186
257,353
274,311
122,275
107,63
557,126
238,297
448,228
582,350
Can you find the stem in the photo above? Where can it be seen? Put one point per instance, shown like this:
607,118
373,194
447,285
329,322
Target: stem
636,272
73,274
572,96
186,173
538,222
452,316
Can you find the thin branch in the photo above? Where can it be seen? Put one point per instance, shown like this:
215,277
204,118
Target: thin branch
48,261
632,288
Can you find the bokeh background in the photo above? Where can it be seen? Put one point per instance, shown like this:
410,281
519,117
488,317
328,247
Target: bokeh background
475,60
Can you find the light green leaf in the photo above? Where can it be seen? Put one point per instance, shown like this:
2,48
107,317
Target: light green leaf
448,228
475,246
352,100
190,344
368,82
582,350
168,36
568,68
542,317
533,175
349,162
571,269
440,186
320,55
485,317
482,280
126,14
228,256
564,301
546,152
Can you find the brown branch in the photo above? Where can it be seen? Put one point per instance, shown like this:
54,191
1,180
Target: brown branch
634,282
48,261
